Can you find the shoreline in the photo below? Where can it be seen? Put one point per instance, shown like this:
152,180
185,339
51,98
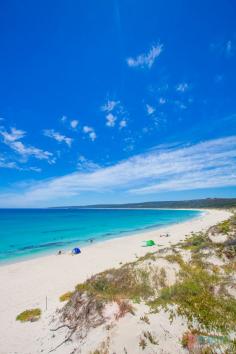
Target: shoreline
28,283
112,236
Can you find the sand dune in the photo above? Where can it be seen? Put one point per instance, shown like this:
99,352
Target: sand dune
27,284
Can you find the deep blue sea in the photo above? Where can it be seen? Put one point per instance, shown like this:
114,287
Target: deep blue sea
26,233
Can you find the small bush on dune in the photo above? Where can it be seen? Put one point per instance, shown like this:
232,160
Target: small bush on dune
142,343
145,319
148,335
66,296
197,242
31,315
224,227
195,298
116,284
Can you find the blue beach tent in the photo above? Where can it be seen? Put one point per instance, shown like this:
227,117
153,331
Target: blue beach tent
76,250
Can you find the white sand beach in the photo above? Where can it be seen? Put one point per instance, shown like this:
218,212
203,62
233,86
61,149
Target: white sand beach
26,284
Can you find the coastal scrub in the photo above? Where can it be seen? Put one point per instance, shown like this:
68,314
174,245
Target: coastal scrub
31,315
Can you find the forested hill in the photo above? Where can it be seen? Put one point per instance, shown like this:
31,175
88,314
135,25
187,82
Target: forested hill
196,203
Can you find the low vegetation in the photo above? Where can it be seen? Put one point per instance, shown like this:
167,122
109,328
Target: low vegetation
224,227
126,282
145,319
31,315
197,242
150,337
195,297
142,343
66,297
199,292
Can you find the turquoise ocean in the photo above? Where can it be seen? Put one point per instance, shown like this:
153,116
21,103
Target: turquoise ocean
27,233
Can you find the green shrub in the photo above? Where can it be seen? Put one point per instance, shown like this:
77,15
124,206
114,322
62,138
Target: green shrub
195,298
115,284
145,319
224,227
29,315
66,296
142,343
148,335
197,242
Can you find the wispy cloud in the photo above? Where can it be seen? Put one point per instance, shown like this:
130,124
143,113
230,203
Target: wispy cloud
150,109
225,48
109,105
115,114
12,140
5,163
51,133
35,169
13,135
111,120
228,48
74,123
180,104
8,164
146,59
162,100
182,87
123,123
27,151
207,164
91,132
86,165
63,119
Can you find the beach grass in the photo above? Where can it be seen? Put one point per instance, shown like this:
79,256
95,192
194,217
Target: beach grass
66,297
31,315
116,284
198,292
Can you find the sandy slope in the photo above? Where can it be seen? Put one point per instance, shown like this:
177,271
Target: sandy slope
26,284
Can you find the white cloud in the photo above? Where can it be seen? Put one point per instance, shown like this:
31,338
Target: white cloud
182,87
35,169
225,48
13,135
146,59
74,123
204,165
150,109
90,131
123,123
5,163
229,48
86,165
162,100
51,133
93,136
115,114
111,120
180,104
26,151
8,164
11,139
63,118
87,129
110,105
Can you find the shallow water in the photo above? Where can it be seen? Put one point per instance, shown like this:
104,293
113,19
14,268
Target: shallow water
27,233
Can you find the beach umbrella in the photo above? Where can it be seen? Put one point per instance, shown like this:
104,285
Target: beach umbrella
76,250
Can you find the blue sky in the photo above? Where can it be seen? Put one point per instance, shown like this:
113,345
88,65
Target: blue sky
116,101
